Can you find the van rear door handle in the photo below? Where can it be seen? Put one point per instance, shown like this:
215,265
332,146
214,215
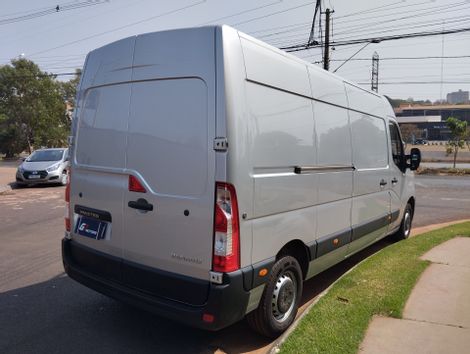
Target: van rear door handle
140,204
383,183
394,181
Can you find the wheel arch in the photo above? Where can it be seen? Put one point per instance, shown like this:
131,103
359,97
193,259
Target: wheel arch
412,202
297,249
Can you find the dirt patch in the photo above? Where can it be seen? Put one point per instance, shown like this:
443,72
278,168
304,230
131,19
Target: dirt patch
443,171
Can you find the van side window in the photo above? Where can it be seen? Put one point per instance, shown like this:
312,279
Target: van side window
369,137
397,145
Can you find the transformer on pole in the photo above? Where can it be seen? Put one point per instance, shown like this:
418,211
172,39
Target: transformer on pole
375,72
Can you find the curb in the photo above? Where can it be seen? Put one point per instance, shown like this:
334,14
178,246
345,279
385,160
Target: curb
278,342
275,347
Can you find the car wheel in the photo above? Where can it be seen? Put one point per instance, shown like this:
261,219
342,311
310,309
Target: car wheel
63,178
405,226
280,300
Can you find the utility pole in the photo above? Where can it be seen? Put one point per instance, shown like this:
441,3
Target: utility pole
326,53
375,72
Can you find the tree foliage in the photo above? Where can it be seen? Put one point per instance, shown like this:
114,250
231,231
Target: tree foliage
32,109
459,135
69,88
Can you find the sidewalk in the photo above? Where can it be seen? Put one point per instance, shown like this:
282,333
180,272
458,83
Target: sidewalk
436,318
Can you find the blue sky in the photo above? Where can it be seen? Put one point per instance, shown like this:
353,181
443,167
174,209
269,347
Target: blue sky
59,41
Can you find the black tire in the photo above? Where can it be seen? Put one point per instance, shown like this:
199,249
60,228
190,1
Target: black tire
405,227
280,300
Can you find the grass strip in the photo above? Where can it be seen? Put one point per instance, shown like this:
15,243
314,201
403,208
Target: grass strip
380,285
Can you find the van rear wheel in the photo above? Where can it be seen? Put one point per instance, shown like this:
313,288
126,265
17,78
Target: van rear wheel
280,300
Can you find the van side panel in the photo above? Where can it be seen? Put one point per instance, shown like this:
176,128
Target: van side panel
371,198
281,137
271,67
327,87
334,186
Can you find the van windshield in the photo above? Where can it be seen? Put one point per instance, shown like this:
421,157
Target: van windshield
46,155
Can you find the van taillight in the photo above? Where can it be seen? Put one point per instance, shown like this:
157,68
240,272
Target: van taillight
67,204
226,256
135,185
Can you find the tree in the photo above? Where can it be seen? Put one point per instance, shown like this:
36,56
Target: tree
69,88
32,109
459,134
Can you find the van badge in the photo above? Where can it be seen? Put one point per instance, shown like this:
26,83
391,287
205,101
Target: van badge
182,258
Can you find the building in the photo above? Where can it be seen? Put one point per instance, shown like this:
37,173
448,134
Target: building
431,120
458,97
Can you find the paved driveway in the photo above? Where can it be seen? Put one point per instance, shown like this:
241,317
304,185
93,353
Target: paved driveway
43,311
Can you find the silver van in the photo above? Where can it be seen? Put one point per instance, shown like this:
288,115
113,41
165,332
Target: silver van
211,174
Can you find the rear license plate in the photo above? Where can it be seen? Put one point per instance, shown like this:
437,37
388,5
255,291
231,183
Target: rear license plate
34,176
90,227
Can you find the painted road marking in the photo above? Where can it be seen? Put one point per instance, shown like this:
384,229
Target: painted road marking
457,199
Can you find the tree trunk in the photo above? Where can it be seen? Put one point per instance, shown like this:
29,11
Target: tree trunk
456,150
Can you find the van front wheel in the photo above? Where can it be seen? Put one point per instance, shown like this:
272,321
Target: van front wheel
280,301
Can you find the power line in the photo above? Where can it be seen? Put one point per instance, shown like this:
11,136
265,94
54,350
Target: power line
241,12
418,13
51,10
377,9
406,58
273,13
121,27
281,40
399,27
300,47
417,82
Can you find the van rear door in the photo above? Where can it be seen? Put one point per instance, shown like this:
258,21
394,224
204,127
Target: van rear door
170,152
99,178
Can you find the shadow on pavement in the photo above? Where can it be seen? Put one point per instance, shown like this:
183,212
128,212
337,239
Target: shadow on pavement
61,315
15,185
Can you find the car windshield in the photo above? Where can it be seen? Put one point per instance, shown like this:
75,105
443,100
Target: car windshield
45,155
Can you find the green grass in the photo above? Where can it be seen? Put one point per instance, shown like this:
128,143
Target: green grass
380,285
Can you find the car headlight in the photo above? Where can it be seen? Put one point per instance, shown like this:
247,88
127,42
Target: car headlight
53,167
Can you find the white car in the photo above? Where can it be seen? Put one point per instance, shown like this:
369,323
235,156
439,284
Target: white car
44,166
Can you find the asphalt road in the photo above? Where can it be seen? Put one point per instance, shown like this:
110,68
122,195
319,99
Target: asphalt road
43,311
441,198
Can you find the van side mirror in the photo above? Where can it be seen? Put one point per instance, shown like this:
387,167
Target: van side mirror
415,159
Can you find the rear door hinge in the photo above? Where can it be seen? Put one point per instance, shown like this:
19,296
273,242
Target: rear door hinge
220,144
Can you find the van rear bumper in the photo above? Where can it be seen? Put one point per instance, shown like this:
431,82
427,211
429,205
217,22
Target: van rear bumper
227,302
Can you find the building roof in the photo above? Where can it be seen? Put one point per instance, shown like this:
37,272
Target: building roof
419,119
404,107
